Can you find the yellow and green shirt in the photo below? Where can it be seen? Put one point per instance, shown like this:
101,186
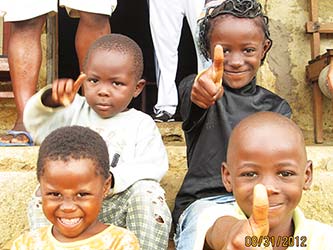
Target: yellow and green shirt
112,238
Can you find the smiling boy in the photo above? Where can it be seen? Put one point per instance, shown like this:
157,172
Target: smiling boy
138,159
235,35
73,172
268,149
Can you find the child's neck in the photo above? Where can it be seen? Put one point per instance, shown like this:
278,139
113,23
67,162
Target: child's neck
281,235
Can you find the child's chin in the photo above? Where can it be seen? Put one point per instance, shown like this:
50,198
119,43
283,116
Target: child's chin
235,85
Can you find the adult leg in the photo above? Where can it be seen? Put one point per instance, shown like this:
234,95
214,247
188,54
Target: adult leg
91,27
166,19
24,57
143,210
193,10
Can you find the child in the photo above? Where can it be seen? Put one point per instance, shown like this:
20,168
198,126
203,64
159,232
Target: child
73,172
211,110
27,19
138,159
267,151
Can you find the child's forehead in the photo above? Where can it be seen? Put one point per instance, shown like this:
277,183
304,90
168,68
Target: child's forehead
70,161
268,140
231,19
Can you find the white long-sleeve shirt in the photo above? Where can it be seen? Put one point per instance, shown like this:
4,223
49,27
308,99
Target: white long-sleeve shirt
131,135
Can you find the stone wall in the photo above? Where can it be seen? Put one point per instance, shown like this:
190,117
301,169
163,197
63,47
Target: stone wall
284,70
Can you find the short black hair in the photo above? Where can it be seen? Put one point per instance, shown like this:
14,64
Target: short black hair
237,8
121,44
74,142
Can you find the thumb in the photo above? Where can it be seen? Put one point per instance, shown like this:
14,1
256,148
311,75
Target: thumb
218,65
66,100
259,218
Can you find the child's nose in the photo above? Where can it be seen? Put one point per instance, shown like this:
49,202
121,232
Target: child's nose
104,90
68,205
271,185
271,189
235,59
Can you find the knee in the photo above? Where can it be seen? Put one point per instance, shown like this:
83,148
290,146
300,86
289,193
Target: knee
150,197
94,20
32,25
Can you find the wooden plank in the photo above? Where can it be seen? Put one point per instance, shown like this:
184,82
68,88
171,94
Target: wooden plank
6,94
318,113
313,70
313,10
315,45
2,14
316,65
51,48
6,35
322,28
317,95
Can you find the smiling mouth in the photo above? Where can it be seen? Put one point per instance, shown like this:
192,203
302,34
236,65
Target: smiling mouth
275,206
234,72
70,222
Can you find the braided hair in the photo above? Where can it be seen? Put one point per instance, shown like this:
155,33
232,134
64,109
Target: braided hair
238,8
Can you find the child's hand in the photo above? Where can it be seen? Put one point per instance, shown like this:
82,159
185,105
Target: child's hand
256,226
64,90
207,87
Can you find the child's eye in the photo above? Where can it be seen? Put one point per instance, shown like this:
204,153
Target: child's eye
80,195
249,50
249,174
117,84
226,51
286,173
92,80
54,194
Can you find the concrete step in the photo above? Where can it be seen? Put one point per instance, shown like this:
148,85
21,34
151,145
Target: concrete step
18,180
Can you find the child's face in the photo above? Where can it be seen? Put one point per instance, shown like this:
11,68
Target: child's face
111,83
275,158
244,45
72,195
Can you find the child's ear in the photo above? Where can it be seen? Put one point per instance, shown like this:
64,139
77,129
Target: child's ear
308,175
139,87
107,186
267,46
226,177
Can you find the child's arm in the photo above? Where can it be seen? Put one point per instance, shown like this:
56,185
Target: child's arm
230,233
43,114
63,92
207,87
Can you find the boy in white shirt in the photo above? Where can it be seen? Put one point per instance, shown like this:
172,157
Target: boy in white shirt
112,77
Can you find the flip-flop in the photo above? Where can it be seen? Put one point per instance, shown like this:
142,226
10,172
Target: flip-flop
15,133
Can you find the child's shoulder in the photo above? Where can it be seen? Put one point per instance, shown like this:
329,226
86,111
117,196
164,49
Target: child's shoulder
315,234
319,235
137,115
31,238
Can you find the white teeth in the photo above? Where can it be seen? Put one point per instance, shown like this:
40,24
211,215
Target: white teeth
69,221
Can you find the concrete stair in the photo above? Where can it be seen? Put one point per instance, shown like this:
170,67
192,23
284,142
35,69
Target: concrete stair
18,180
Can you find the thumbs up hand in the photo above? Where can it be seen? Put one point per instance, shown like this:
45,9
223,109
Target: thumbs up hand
207,87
